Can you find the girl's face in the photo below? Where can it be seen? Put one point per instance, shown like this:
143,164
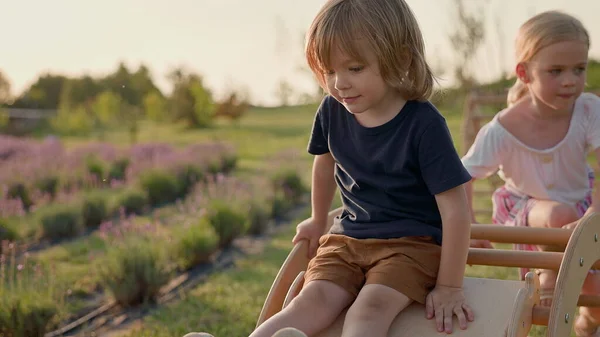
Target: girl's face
557,73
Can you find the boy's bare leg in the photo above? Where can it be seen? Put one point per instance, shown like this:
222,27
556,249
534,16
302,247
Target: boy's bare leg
315,308
373,311
289,332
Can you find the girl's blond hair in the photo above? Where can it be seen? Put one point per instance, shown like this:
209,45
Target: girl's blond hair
539,32
388,27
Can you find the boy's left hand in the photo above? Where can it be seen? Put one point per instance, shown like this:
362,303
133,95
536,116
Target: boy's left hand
445,302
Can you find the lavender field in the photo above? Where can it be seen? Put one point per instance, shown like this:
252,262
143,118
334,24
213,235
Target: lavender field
87,224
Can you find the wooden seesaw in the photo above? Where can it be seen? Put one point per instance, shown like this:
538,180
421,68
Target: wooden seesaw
502,307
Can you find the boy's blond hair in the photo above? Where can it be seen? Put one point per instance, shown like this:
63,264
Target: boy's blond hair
388,27
541,31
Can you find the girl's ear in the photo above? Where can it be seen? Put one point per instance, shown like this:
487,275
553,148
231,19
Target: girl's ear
521,71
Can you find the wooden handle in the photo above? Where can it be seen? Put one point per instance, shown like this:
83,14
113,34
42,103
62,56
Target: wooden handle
523,235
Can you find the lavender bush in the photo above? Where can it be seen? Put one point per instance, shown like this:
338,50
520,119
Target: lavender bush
137,264
30,303
37,174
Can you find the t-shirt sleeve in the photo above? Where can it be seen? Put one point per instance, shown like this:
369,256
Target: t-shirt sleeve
318,143
439,162
592,111
485,154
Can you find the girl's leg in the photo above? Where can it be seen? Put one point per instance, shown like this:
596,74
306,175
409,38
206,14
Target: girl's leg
317,305
550,214
373,311
588,321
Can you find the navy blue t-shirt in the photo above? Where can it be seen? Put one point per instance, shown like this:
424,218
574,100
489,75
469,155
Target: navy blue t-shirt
388,175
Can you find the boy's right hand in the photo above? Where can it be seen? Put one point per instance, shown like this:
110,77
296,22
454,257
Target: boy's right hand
311,231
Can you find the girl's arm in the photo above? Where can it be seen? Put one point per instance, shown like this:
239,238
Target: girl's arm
469,192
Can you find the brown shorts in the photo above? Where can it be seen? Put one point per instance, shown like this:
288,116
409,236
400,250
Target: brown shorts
408,265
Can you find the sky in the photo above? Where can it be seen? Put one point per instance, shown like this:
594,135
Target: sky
247,44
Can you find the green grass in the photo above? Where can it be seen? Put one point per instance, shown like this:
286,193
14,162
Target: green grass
228,303
260,134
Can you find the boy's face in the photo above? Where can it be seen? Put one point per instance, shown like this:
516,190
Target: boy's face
557,74
359,86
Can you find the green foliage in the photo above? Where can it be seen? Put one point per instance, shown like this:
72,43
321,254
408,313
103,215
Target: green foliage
288,182
188,176
7,231
72,120
107,108
195,244
132,201
94,209
161,186
134,271
118,169
191,101
280,205
18,190
155,107
48,184
259,215
95,167
4,119
26,315
228,221
59,221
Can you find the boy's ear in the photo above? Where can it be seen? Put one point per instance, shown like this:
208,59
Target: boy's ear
521,71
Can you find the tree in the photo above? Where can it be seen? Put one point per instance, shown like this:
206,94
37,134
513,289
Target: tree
191,101
284,92
155,107
466,40
5,95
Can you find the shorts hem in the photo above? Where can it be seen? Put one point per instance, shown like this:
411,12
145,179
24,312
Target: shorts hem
350,288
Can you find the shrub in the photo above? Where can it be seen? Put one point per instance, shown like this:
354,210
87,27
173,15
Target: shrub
195,244
131,201
60,221
118,169
188,176
162,187
135,271
280,205
228,163
95,167
228,221
18,190
289,182
259,215
48,185
7,231
94,209
26,314
29,302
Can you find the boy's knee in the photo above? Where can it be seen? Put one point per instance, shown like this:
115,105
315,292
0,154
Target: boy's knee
562,215
375,304
369,308
322,297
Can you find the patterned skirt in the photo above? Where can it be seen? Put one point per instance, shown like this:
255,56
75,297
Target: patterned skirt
510,209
